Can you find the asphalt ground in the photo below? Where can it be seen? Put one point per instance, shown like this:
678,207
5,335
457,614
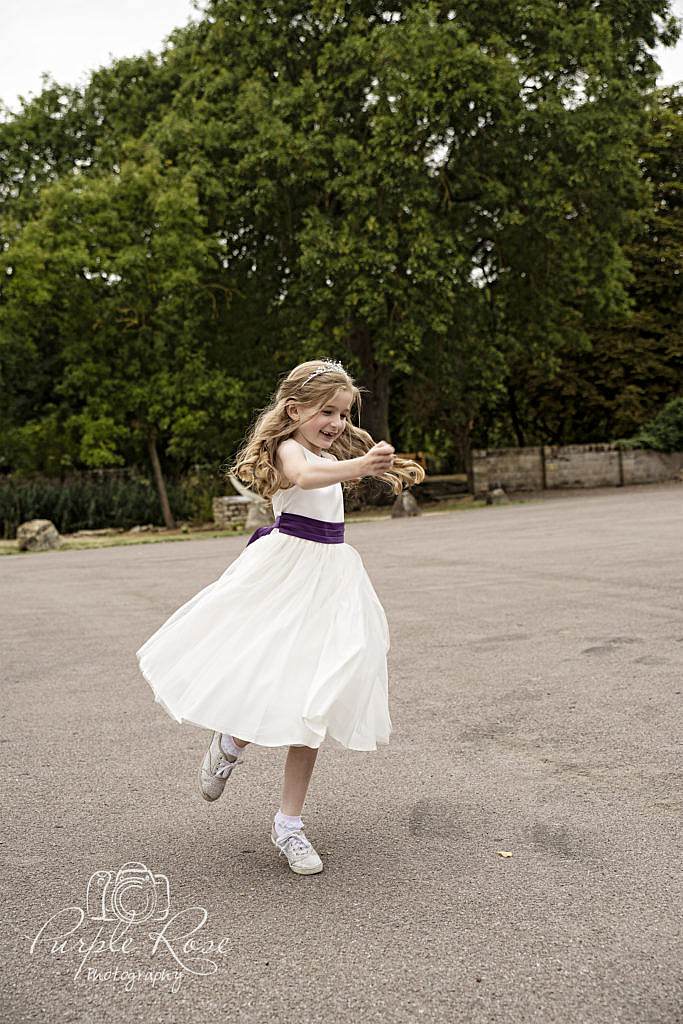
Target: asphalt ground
535,688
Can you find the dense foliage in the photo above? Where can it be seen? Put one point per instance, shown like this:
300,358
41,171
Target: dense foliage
92,499
664,432
476,208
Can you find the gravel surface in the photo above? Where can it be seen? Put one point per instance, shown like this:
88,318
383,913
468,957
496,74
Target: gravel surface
535,682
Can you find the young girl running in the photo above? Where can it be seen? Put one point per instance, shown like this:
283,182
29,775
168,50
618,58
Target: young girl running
289,644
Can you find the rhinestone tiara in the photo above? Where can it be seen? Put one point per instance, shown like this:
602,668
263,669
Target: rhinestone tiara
329,365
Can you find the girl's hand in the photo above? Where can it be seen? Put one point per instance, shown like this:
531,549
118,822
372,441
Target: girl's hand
378,459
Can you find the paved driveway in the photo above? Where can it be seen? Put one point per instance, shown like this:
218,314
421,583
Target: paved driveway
535,675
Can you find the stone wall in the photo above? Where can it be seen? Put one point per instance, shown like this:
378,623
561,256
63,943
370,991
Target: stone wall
574,465
642,466
582,465
230,511
517,469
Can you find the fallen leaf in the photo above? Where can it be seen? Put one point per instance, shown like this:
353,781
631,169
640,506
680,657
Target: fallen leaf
503,853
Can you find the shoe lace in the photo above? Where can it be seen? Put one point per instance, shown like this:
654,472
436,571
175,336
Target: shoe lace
297,842
224,767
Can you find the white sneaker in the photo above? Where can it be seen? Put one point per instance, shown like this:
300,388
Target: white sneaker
298,850
215,769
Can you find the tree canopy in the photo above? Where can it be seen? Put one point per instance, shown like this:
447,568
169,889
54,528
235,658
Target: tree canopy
475,207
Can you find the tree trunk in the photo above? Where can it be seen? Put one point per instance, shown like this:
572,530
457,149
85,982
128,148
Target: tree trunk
463,444
514,416
159,478
375,377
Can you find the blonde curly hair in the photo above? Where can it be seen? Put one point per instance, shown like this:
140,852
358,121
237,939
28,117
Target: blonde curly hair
254,463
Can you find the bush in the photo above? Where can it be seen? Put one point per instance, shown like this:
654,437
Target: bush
92,501
199,488
664,433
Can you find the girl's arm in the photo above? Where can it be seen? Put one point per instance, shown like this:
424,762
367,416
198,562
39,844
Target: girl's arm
292,463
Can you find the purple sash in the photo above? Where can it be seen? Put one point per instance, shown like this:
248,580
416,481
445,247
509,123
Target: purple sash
303,526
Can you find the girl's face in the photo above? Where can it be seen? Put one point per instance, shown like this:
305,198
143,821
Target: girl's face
318,430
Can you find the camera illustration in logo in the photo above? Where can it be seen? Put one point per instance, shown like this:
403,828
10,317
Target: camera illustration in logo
133,895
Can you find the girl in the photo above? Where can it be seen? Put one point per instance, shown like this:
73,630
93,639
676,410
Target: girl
289,644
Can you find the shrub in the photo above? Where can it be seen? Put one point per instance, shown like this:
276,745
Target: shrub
664,433
87,501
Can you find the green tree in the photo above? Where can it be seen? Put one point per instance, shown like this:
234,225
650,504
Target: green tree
111,268
441,196
634,361
394,172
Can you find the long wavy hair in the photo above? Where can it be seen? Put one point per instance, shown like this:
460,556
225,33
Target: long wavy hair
254,463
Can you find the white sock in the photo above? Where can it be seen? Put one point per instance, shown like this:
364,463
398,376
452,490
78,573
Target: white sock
228,745
287,822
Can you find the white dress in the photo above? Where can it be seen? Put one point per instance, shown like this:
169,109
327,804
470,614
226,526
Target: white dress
287,646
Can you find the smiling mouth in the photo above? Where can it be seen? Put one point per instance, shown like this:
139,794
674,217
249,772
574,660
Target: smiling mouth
325,434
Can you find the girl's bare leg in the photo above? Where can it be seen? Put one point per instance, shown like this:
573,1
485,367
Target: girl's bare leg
241,743
298,771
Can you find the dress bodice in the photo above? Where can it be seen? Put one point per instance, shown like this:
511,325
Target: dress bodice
326,503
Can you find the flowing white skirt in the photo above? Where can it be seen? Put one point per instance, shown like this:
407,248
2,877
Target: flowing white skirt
287,646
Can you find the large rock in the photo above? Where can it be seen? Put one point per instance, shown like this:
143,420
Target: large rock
405,505
496,496
38,535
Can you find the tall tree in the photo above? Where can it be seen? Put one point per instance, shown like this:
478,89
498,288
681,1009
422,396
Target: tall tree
392,171
634,362
438,194
112,268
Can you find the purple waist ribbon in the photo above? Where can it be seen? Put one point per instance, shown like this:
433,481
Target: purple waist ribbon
303,526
